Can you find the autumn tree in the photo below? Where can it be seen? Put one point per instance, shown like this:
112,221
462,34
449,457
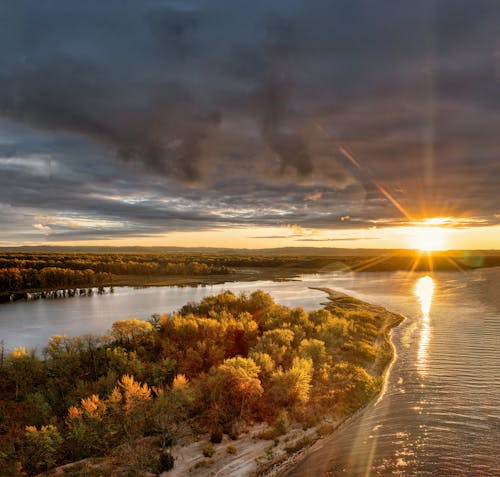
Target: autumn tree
129,407
41,448
277,343
88,431
292,386
25,369
230,392
352,385
170,408
127,331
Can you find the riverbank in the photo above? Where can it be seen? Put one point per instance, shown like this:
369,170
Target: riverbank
459,342
383,366
141,281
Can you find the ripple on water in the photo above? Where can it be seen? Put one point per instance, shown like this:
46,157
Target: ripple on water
447,420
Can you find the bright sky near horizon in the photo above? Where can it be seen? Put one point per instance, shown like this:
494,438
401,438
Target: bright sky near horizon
250,124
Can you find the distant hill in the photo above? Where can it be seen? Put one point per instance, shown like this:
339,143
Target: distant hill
308,251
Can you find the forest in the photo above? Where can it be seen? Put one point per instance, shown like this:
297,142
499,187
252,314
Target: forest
23,272
32,272
211,369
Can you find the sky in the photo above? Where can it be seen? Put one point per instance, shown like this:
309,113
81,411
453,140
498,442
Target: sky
235,123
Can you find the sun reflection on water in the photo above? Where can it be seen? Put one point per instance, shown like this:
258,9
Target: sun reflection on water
424,292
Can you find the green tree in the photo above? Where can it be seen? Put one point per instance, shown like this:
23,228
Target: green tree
25,369
41,448
353,385
170,409
88,433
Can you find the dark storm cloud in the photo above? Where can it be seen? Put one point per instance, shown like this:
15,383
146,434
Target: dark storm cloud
165,115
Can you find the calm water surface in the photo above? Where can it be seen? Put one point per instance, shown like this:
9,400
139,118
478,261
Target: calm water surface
439,414
31,323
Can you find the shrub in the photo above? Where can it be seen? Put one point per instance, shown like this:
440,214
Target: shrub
216,437
325,429
296,446
282,422
208,450
41,449
202,464
231,450
166,461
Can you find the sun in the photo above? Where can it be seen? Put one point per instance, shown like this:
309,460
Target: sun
427,238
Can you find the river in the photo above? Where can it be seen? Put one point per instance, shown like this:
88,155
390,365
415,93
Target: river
439,413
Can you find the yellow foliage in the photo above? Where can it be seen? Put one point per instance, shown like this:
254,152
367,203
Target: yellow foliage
74,413
19,353
130,329
90,407
180,382
43,429
93,406
132,391
115,398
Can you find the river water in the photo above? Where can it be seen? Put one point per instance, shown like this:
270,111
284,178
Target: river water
439,414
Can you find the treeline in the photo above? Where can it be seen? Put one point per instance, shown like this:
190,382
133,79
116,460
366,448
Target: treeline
124,265
127,263
31,272
212,368
15,279
23,272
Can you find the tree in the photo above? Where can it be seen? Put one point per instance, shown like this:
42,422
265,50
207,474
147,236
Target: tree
292,386
353,385
127,331
277,343
129,407
87,428
230,392
170,409
314,349
24,368
41,448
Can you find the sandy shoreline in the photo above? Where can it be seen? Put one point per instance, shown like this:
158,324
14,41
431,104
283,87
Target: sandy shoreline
293,460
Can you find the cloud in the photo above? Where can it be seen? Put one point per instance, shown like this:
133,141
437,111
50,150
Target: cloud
336,239
41,227
148,117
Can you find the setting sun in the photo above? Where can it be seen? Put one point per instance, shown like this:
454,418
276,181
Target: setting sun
427,238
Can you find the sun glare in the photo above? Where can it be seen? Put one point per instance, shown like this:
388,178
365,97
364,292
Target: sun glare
427,238
424,291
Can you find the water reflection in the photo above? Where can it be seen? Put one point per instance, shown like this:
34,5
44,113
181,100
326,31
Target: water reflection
424,292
